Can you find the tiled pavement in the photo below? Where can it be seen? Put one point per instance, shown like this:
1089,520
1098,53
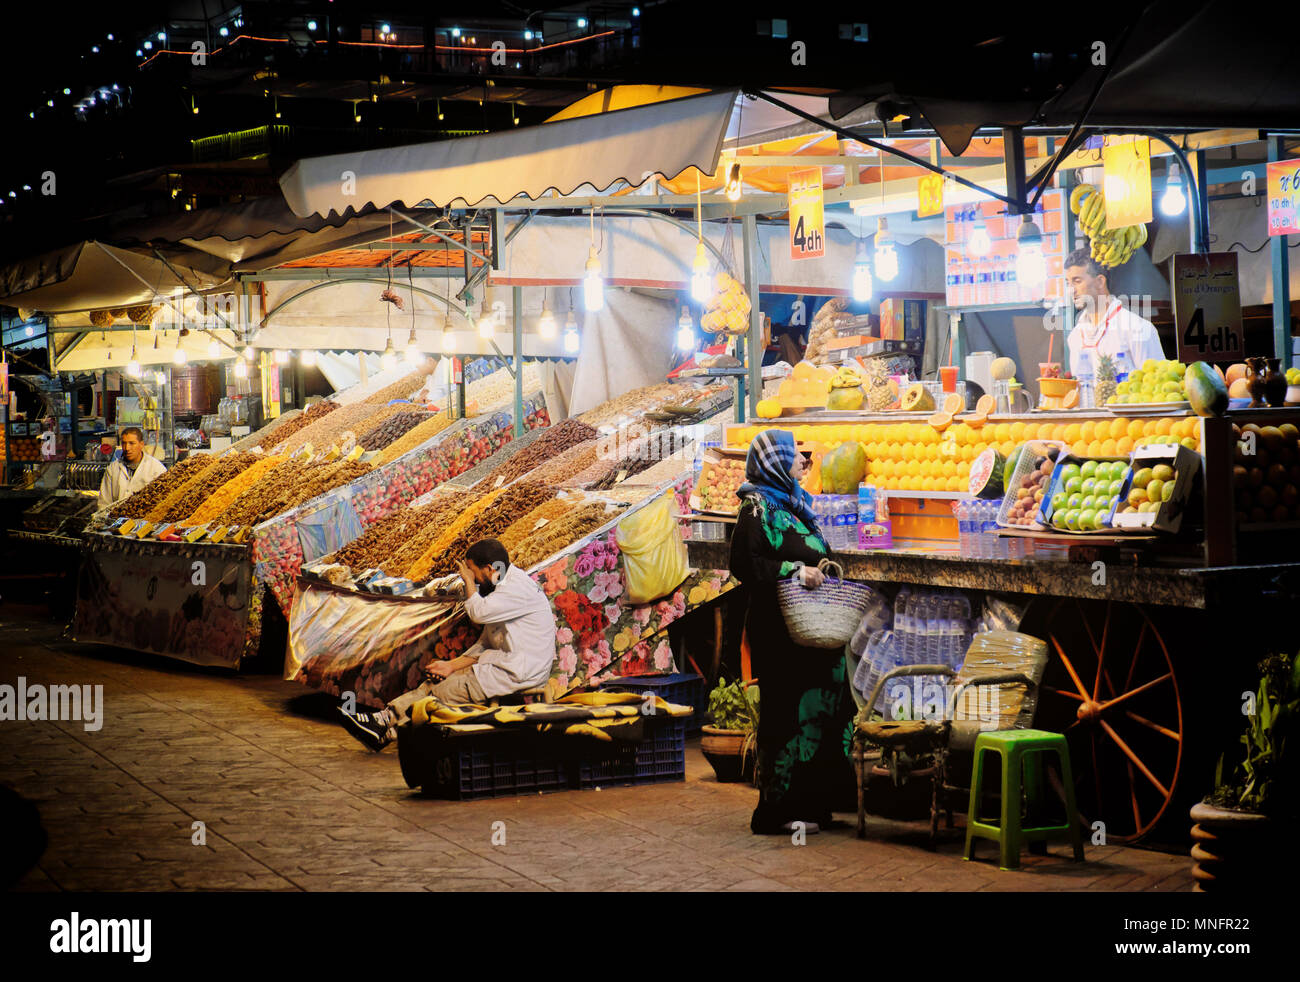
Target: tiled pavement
290,802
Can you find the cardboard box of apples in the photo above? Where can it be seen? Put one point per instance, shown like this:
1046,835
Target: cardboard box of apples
1157,489
721,474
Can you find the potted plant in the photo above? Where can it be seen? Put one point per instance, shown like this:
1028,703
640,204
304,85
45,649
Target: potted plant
730,744
1238,829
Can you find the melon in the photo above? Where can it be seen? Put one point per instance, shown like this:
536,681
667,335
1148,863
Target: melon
986,474
1002,369
1235,372
843,468
768,408
917,399
1205,390
846,399
1239,389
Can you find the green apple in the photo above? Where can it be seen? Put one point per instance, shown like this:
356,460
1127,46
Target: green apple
1089,501
1070,471
1089,485
1058,500
1115,487
1074,485
1088,519
1075,500
1072,519
1089,468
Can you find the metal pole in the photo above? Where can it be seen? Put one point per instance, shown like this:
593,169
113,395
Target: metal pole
1281,276
517,299
754,355
467,225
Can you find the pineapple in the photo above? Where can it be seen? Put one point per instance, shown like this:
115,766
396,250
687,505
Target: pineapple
1105,380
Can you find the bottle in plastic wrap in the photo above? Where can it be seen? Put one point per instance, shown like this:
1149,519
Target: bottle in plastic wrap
937,611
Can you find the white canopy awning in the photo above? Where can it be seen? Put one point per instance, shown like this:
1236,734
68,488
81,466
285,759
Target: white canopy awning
628,144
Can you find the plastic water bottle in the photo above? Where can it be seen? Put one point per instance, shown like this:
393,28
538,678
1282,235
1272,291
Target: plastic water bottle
850,521
900,614
963,535
936,629
907,635
1087,398
1122,365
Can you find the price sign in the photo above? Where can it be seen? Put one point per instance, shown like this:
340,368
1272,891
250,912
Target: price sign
1207,308
929,195
807,223
1283,197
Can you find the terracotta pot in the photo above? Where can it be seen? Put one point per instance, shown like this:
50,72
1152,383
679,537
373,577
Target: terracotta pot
722,749
1231,849
1275,383
1256,374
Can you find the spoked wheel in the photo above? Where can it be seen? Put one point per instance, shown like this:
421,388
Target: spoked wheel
1110,688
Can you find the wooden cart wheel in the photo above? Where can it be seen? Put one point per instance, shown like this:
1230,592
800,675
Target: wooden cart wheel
1110,687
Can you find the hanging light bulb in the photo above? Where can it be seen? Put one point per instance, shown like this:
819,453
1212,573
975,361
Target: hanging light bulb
700,281
734,185
979,244
178,356
308,358
389,358
29,331
248,352
412,348
282,356
133,366
214,348
685,331
241,368
1031,267
1173,202
593,287
159,378
546,326
862,283
486,325
448,335
571,340
886,257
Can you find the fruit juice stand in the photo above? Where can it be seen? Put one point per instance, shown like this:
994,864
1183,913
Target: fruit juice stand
1142,624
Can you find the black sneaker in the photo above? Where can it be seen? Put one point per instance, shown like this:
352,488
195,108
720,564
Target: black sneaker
366,728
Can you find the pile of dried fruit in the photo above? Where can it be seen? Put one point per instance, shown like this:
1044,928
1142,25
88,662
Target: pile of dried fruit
524,527
227,467
332,476
257,502
304,419
516,501
392,428
143,501
419,570
387,536
452,503
425,431
225,495
556,440
572,461
326,432
563,532
402,388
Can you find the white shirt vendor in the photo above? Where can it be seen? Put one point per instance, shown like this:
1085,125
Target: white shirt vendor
125,477
517,647
1120,330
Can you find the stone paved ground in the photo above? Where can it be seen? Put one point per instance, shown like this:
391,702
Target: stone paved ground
292,803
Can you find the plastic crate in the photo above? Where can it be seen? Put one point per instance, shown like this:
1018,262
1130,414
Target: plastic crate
660,756
682,689
488,766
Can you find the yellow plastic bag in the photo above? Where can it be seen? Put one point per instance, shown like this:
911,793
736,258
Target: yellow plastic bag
654,555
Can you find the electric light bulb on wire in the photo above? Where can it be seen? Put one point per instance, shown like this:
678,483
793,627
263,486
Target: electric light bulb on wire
1031,266
448,335
571,340
308,358
178,356
886,256
412,348
685,331
701,282
133,366
734,186
1173,202
546,326
862,281
389,357
214,349
241,368
593,287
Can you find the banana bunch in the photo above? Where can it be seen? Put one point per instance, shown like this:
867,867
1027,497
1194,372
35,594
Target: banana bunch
846,378
1110,247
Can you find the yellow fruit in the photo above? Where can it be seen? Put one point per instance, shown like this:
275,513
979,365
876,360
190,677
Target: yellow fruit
1088,432
1119,428
1073,433
1017,431
1044,431
1002,432
1079,449
1124,445
1136,430
1058,433
1108,448
1163,426
1094,449
955,484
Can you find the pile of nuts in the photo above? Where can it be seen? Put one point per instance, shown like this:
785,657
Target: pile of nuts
392,428
333,476
572,461
526,526
445,508
224,496
388,535
325,433
143,501
425,431
402,388
557,439
419,570
559,534
308,416
517,500
204,486
256,503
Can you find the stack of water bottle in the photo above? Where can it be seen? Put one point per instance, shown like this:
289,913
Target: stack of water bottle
837,517
929,627
977,531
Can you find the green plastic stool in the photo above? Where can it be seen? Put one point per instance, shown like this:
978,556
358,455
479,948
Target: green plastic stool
1021,748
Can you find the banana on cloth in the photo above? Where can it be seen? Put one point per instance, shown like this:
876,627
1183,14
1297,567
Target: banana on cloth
603,715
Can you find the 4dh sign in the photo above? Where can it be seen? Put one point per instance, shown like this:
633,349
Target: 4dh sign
807,222
1207,308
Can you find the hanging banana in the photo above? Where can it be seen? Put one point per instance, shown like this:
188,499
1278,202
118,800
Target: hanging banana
1109,247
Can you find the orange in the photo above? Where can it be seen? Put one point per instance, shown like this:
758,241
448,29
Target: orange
1079,449
1149,427
1002,432
1164,425
1088,431
967,455
1045,431
1119,428
949,468
1058,433
1108,448
956,484
1073,433
1006,448
1094,449
1136,429
1018,431
1124,445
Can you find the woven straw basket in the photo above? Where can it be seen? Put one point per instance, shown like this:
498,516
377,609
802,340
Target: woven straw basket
827,616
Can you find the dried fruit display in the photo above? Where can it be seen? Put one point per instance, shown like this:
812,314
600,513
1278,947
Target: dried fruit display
422,433
225,495
403,388
522,528
451,503
332,476
419,570
563,532
143,501
228,466
390,429
626,469
257,501
564,465
498,388
388,535
594,474
326,432
557,439
516,501
630,403
481,470
304,419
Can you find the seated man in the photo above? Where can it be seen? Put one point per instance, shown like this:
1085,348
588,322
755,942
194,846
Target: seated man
515,651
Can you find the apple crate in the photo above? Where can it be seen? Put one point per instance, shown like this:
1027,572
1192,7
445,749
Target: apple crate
1030,453
660,756
1185,465
716,462
1046,510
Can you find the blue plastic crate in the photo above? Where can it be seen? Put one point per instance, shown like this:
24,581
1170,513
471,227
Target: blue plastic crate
660,756
493,772
682,688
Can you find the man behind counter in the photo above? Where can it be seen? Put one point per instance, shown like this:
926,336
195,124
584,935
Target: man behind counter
125,477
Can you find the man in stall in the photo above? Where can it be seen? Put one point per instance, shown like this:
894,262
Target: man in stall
133,471
1104,325
514,653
